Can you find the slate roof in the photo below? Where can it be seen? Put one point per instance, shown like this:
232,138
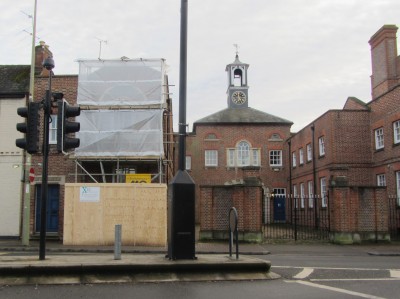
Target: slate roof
14,80
242,116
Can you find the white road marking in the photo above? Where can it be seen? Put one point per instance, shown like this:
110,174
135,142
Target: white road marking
303,274
354,279
331,268
395,273
310,284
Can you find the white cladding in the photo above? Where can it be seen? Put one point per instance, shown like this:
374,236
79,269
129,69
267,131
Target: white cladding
121,82
118,131
135,133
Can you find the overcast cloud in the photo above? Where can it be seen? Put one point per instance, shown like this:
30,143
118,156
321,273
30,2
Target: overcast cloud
305,56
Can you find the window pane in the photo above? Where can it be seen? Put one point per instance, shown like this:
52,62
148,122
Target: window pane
294,161
231,157
275,158
321,143
255,157
302,195
243,152
396,131
211,158
309,152
53,129
379,140
188,162
310,194
381,180
301,158
323,192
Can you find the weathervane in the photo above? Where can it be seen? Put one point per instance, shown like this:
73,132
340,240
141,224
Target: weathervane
237,49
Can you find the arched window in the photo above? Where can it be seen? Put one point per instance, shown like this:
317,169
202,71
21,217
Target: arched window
237,77
243,153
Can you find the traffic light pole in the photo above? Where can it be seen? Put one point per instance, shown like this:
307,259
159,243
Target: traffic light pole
48,64
43,207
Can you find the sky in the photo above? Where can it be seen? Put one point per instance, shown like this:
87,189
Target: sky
306,56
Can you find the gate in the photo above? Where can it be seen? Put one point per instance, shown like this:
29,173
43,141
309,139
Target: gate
394,217
303,218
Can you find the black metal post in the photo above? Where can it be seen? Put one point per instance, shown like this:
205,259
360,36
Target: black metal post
181,190
49,65
182,85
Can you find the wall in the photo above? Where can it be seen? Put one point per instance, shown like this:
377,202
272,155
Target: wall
11,161
141,209
215,203
358,214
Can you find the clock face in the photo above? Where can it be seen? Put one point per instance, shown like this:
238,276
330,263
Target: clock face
238,97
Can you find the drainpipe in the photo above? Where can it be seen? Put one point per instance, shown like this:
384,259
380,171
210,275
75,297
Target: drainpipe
290,179
314,175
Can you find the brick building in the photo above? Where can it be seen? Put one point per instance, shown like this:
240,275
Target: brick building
340,173
235,156
111,167
353,155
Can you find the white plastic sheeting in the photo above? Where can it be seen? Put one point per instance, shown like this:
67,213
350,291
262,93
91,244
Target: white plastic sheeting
117,133
121,82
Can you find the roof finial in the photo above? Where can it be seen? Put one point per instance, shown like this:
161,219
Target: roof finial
237,49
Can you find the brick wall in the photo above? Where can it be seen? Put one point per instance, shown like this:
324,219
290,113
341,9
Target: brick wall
215,204
359,214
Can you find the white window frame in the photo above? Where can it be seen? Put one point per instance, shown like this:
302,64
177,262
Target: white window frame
231,160
243,153
321,145
379,138
301,156
211,158
295,196
381,179
302,195
294,160
396,132
309,152
275,158
323,192
255,157
310,194
234,156
53,129
188,162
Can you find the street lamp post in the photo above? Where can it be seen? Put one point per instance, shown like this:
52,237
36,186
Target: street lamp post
49,65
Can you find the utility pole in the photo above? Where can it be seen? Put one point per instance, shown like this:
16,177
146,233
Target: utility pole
27,194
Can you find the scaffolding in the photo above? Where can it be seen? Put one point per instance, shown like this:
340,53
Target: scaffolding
126,120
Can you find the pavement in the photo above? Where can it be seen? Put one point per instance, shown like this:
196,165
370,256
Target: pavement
20,264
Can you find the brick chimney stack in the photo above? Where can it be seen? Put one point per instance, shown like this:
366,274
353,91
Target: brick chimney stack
41,53
385,62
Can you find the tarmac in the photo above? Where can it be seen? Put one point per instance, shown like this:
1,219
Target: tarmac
63,264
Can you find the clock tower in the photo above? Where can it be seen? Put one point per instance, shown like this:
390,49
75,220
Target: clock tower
237,84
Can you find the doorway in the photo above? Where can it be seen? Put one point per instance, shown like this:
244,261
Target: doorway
53,200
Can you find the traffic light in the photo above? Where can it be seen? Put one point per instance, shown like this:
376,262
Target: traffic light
30,128
65,126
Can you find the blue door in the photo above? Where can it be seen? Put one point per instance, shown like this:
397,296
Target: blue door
53,198
279,208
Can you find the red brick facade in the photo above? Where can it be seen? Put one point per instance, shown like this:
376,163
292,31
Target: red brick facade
347,168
